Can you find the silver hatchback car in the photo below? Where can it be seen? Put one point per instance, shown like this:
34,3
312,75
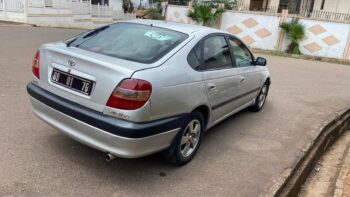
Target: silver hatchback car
134,88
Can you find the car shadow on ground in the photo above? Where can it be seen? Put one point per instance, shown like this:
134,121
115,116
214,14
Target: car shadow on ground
149,167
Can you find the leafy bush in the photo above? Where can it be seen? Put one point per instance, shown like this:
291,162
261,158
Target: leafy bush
295,32
204,14
154,13
229,4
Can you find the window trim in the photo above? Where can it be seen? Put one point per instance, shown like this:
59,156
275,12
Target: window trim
200,42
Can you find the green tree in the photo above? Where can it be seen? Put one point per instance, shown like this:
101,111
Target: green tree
204,14
295,32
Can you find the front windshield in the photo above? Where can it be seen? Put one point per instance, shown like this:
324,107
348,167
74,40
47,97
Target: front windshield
135,42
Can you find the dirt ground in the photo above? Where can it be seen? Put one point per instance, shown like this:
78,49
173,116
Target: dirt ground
322,181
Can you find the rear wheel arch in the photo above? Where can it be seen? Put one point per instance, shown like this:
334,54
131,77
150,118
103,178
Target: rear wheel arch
204,110
174,154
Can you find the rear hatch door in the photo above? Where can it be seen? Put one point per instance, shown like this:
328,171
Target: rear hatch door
104,73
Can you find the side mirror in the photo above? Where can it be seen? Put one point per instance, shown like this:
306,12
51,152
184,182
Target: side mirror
260,61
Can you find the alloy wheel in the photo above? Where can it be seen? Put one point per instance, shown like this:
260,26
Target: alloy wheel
262,96
190,138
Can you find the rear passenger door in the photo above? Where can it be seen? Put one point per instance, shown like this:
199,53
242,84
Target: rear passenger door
215,61
249,74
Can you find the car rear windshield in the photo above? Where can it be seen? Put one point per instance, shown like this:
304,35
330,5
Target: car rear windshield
134,42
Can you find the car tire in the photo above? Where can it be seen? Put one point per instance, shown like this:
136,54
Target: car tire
261,98
187,142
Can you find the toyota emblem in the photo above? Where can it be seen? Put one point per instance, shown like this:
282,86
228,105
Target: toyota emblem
71,63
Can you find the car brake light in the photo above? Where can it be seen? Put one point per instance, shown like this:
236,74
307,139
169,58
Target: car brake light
36,65
130,94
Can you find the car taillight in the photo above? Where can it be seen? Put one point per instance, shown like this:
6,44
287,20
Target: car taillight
130,94
36,65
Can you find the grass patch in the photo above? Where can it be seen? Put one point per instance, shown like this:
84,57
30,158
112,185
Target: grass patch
305,57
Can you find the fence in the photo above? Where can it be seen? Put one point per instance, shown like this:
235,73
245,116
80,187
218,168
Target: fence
13,5
330,15
36,3
101,11
261,30
179,2
296,12
315,14
75,7
79,7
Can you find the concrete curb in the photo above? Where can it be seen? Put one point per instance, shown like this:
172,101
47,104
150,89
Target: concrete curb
329,133
2,22
304,57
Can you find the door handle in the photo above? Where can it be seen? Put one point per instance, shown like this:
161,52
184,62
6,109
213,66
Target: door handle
211,86
242,79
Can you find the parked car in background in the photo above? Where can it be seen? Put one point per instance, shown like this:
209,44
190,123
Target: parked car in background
135,88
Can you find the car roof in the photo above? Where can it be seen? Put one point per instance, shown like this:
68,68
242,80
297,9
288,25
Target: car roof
180,27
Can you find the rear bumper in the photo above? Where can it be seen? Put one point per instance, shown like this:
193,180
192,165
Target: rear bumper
121,138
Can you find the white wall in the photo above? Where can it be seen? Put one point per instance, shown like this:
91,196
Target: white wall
258,31
13,16
325,39
177,14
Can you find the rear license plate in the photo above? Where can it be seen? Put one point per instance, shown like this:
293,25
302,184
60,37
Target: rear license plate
70,81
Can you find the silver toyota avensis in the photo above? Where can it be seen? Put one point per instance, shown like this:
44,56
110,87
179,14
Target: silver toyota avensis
134,88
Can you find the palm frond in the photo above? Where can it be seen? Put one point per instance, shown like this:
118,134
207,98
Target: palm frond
295,31
204,14
218,12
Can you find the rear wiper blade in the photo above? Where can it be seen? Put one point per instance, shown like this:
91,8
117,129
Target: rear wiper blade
71,41
96,31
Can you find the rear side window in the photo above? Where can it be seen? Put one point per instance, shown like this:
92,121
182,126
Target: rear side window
195,57
134,42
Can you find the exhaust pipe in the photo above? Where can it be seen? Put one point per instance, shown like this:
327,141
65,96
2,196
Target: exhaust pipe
109,157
